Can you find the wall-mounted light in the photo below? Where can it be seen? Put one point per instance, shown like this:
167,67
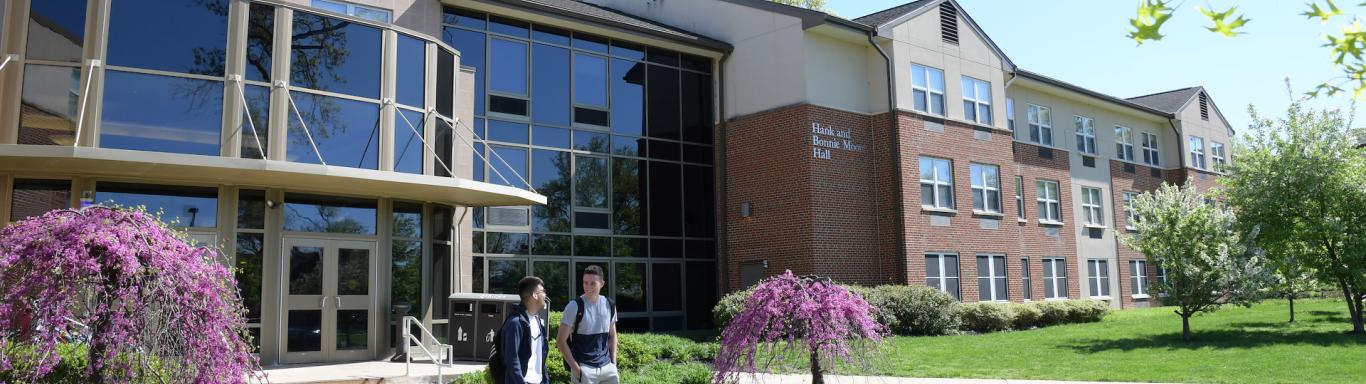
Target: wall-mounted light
745,209
270,204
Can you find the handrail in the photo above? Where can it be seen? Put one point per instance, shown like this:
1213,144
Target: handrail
409,339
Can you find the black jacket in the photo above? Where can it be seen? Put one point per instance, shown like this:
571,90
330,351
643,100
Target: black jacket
516,347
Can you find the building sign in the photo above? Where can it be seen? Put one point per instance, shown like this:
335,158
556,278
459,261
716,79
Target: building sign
825,140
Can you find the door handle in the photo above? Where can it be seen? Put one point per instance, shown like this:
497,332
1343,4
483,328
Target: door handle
322,302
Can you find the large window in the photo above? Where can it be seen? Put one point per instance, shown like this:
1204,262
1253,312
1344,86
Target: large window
406,254
1098,278
1150,153
1130,216
1138,277
51,104
1026,279
1040,125
941,272
1019,197
250,255
1046,194
361,11
330,214
976,100
1054,278
1124,143
991,278
1197,152
34,197
56,30
986,188
1010,115
936,183
1092,207
161,113
927,85
180,206
1216,151
1086,134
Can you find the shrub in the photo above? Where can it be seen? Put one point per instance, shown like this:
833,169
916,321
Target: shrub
919,310
1087,311
1027,316
985,317
1052,312
665,372
728,306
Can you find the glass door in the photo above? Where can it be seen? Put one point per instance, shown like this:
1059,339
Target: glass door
329,303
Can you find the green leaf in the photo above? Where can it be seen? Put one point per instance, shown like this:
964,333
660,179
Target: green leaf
1322,14
1221,23
1148,22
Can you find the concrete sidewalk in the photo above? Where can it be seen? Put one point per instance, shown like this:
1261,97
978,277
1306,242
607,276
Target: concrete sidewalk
366,372
831,379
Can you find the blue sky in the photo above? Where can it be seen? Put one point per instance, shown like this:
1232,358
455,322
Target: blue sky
1083,42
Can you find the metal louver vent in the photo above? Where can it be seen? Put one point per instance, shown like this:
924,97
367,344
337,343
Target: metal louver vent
948,23
1204,106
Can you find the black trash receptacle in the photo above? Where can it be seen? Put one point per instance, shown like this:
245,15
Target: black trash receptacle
474,319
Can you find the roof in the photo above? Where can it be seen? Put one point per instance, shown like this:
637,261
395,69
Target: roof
883,21
810,18
1172,101
884,16
1091,93
614,18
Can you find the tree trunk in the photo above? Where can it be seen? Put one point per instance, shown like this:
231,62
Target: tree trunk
1185,327
816,374
1292,308
1353,306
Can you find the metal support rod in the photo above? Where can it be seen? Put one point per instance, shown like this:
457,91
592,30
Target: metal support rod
85,100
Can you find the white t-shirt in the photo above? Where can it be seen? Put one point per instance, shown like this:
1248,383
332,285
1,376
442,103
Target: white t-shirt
533,365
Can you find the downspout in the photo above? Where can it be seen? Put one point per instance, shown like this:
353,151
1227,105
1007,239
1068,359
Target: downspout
723,248
893,145
1180,152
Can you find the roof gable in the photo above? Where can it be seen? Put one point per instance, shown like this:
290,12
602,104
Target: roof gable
1175,100
886,20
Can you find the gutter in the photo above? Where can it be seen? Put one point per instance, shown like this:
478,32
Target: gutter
1180,152
722,247
898,207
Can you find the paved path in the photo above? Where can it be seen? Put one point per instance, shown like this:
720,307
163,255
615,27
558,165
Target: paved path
365,372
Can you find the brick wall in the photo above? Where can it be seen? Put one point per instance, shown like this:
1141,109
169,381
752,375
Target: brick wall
1140,180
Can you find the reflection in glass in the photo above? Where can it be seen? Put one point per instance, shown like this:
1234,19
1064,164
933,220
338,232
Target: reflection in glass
509,27
411,68
305,270
590,181
696,115
250,253
406,286
441,222
346,131
309,213
257,129
628,196
590,141
441,279
590,80
178,205
196,46
353,271
549,137
665,193
599,246
472,53
56,30
353,329
260,41
506,243
445,83
251,209
666,248
628,97
508,132
552,245
550,177
305,331
408,147
630,283
701,292
510,166
504,275
333,55
667,278
36,197
161,113
630,247
550,84
507,68
445,140
699,216
50,103
407,220
555,274
663,102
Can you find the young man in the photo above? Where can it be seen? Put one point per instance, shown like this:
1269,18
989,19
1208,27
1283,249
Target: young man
591,352
524,348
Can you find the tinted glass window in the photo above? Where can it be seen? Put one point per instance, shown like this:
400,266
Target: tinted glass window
333,55
696,63
250,252
696,116
509,165
465,18
628,146
407,220
408,147
662,56
666,248
665,193
411,70
590,141
332,214
444,147
627,50
56,30
628,97
445,83
161,113
590,182
507,66
630,282
139,39
507,243
663,101
406,286
590,42
508,27
590,80
251,209
50,105
698,210
668,278
504,275
701,292
558,285
471,46
550,35
550,176
260,41
630,247
507,131
255,125
36,197
179,206
550,137
550,85
628,196
553,245
345,131
592,246
697,154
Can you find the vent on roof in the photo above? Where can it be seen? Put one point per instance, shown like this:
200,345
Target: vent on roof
948,22
1204,106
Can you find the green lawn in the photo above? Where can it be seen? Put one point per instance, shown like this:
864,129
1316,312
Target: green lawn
1233,345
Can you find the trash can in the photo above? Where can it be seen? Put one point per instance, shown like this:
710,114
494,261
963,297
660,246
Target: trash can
474,319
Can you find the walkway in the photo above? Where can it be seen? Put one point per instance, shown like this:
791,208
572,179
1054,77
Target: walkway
367,372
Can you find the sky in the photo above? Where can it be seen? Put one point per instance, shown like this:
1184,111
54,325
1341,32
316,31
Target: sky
1083,42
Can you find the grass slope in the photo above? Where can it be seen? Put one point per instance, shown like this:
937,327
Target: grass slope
1233,345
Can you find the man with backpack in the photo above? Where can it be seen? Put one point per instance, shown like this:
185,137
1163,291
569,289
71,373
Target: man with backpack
588,333
520,346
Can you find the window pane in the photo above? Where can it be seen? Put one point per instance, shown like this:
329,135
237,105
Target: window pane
590,80
445,83
251,209
697,108
507,243
179,206
701,288
331,214
161,113
549,34
255,126
549,84
504,275
36,197
509,164
663,102
628,196
56,30
472,53
260,41
507,69
590,42
550,137
250,252
408,146
407,220
630,283
628,97
550,176
590,141
508,132
139,39
345,131
410,71
553,245
558,285
698,202
508,26
440,278
332,55
50,105
590,182
667,286
445,140
665,210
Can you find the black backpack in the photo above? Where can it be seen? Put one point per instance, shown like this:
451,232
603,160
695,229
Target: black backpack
578,303
496,369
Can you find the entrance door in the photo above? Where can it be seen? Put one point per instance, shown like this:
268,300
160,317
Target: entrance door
329,302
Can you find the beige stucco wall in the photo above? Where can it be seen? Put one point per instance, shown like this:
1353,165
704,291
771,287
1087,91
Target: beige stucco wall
1212,130
919,41
837,72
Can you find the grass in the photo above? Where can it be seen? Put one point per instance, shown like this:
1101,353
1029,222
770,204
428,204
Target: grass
1233,345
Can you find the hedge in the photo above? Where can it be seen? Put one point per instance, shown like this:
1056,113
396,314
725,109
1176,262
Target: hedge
992,317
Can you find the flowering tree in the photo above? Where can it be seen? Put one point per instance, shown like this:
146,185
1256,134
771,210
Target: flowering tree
787,317
141,301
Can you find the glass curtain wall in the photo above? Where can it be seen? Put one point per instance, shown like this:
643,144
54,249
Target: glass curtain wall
618,137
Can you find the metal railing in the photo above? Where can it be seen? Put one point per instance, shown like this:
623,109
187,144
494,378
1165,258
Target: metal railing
444,351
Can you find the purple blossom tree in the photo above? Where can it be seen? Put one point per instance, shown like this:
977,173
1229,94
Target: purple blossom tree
795,319
143,303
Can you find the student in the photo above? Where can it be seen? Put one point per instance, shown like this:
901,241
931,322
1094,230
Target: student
591,349
523,346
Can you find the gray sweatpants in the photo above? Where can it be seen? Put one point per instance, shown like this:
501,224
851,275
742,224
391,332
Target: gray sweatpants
606,374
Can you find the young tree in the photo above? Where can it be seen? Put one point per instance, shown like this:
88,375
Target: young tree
1301,180
788,317
1208,263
